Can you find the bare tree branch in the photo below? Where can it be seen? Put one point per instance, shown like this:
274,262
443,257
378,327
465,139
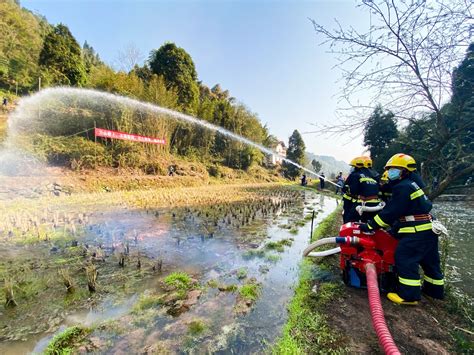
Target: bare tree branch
129,57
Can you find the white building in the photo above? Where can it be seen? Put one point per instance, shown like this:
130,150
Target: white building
281,150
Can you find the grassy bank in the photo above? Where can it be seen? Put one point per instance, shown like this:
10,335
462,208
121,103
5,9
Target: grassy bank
307,330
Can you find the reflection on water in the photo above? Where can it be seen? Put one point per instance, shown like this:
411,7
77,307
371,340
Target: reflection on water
459,219
88,318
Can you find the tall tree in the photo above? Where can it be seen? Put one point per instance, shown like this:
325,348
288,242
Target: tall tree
177,67
380,132
21,40
316,165
295,153
61,57
90,58
404,61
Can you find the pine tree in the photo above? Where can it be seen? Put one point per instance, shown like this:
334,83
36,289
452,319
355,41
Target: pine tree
295,153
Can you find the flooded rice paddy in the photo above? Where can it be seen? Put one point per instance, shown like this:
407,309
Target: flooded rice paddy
206,279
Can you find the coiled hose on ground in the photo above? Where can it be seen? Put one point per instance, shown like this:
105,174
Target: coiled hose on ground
376,311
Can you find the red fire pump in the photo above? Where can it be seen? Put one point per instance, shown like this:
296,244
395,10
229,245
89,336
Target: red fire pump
367,261
358,249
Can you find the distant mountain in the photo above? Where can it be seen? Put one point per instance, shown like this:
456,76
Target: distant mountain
329,165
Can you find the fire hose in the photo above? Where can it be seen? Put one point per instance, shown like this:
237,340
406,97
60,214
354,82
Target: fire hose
330,240
375,305
363,208
376,311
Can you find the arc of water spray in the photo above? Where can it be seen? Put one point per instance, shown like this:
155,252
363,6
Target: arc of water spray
67,91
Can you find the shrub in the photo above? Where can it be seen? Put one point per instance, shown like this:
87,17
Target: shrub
213,171
74,152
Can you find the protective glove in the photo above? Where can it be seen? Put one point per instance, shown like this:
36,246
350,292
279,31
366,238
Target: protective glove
364,227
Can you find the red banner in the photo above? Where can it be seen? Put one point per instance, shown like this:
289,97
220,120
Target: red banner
105,133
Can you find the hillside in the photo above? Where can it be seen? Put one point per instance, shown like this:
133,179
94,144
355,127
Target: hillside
31,49
329,165
21,39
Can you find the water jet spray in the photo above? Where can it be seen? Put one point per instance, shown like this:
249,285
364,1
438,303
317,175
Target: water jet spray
21,118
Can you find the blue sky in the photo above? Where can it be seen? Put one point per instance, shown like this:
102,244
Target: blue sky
264,52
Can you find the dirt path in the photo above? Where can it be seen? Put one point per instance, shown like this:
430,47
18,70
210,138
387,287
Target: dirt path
425,329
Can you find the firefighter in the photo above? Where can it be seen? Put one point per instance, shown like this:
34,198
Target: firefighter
348,198
368,166
385,188
409,210
304,181
414,176
359,188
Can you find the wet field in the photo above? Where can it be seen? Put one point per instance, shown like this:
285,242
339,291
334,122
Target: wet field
181,280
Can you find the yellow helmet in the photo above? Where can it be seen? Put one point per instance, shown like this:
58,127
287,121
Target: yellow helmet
357,162
367,161
384,176
401,160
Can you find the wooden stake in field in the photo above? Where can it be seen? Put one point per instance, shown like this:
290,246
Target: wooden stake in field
91,273
67,280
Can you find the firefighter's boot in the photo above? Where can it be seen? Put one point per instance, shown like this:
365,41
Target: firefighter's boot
395,298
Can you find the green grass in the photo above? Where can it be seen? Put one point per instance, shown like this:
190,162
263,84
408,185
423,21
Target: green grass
178,280
460,305
196,327
212,283
250,291
75,297
307,330
279,245
64,342
254,253
275,246
287,242
147,301
294,230
300,223
329,226
273,258
228,288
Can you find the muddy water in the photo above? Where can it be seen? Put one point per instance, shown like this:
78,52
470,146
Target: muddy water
459,219
208,246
